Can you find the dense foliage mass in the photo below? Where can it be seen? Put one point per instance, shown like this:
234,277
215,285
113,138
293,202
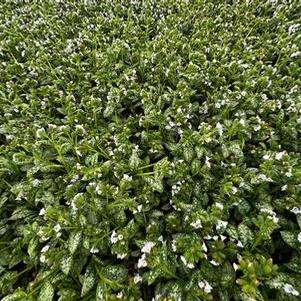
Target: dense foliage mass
150,150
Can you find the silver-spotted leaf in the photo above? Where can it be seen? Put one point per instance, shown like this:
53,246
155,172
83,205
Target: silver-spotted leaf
47,292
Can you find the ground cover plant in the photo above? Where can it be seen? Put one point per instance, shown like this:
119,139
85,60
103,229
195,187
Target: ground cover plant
150,150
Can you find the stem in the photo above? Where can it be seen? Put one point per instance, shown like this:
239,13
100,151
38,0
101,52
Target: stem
40,284
71,227
146,173
258,239
24,271
168,272
10,186
146,166
107,281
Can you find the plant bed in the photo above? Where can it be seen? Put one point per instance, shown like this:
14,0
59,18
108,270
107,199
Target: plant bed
150,150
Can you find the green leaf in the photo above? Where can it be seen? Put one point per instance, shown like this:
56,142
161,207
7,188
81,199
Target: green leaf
196,166
66,264
134,162
117,273
245,234
67,294
17,296
89,280
47,292
153,275
74,241
290,239
32,247
294,264
101,292
188,154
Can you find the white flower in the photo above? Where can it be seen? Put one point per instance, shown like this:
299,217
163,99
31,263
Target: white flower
45,249
57,228
196,225
114,238
173,246
299,237
288,288
257,127
274,219
279,155
39,132
119,295
94,250
219,205
68,49
160,238
265,178
268,211
43,258
239,244
120,237
121,256
137,278
42,211
284,187
188,265
295,54
75,198
139,209
235,266
80,127
264,97
213,262
127,178
142,262
207,161
221,224
206,286
266,157
52,126
180,131
36,183
299,120
222,237
10,137
220,129
148,247
293,28
296,210
204,247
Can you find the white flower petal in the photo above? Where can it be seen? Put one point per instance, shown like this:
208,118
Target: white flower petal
289,289
148,247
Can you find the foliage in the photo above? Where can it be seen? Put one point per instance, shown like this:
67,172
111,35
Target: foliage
150,150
